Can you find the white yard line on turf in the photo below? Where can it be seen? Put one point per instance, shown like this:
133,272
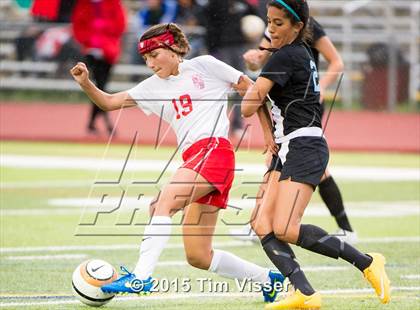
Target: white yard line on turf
166,297
368,290
306,268
162,264
354,209
39,212
48,257
411,277
95,164
47,184
72,206
228,244
110,247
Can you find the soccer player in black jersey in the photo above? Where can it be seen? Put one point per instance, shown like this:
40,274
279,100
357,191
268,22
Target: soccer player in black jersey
290,79
328,189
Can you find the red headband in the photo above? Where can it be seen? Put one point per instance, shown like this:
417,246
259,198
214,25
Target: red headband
166,39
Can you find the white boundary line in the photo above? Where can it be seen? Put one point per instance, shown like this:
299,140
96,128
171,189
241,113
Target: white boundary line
47,257
116,247
95,164
77,206
47,184
200,295
411,276
181,263
41,212
365,209
111,247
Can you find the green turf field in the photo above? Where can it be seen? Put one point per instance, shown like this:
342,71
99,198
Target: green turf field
45,186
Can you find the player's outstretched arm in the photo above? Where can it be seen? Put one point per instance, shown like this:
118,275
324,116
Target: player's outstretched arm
105,101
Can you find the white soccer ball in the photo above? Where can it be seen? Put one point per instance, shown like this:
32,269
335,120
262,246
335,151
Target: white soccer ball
88,278
252,27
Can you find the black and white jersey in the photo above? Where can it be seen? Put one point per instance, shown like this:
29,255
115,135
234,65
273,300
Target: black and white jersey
295,93
317,32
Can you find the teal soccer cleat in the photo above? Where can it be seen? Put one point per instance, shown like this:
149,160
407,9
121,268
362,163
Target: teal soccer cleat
270,293
128,283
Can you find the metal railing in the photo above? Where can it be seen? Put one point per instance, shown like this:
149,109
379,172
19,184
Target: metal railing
352,25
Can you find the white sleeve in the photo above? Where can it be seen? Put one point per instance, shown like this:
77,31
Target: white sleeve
219,69
267,34
142,95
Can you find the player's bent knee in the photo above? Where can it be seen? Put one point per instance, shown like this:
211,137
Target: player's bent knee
261,226
167,208
199,260
287,233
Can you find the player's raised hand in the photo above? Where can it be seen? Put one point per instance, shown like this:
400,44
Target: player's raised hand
253,59
80,73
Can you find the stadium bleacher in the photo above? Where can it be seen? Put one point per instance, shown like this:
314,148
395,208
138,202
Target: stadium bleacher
353,27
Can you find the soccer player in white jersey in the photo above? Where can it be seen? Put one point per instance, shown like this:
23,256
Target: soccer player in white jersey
191,95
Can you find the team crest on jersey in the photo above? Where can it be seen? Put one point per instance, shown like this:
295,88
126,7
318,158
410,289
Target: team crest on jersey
198,81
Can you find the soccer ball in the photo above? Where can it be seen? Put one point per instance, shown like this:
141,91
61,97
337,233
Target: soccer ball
252,27
88,278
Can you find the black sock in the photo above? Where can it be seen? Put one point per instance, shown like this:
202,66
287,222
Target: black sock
317,240
330,194
282,256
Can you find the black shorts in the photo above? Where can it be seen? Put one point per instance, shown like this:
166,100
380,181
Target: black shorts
303,159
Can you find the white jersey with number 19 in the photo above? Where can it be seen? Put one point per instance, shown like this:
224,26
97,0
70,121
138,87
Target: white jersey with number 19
194,102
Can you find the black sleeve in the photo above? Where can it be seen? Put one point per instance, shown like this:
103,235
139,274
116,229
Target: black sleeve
279,68
317,31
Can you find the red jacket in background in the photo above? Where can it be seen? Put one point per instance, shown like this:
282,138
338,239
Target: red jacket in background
45,9
100,25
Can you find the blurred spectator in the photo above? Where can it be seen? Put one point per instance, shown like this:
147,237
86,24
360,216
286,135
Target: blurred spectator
155,12
54,11
57,44
25,43
226,42
189,13
24,4
98,26
57,11
17,10
262,8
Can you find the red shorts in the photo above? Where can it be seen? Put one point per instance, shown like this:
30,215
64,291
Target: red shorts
214,160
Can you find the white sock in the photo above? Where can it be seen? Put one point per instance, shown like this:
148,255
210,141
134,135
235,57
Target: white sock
155,237
230,266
